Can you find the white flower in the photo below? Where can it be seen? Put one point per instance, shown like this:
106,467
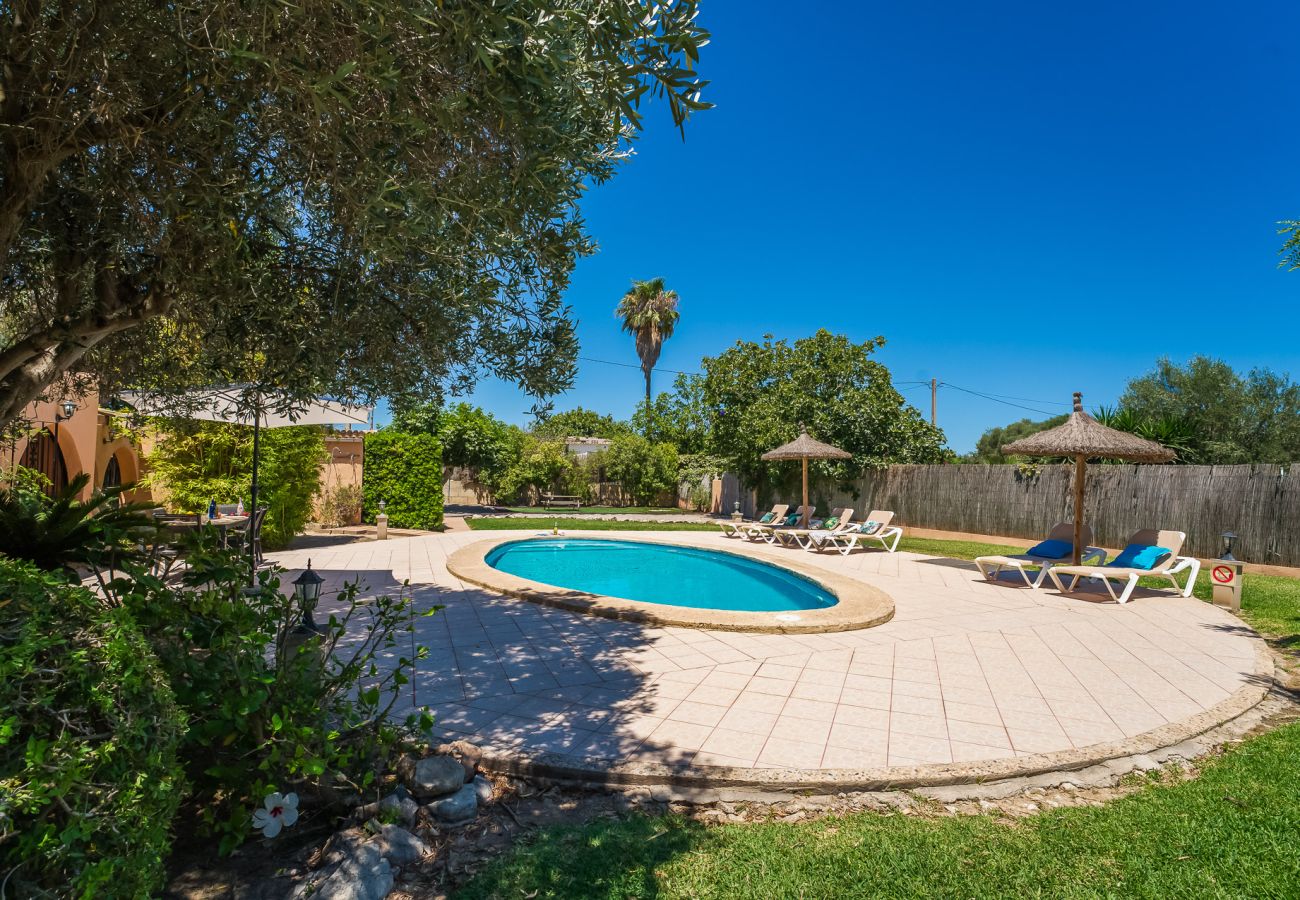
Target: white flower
280,811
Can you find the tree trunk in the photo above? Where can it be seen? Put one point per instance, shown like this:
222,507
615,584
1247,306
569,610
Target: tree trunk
37,360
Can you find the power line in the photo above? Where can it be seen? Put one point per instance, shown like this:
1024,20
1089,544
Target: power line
610,362
996,399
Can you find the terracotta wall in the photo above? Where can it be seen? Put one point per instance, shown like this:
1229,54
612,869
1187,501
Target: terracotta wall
346,460
87,441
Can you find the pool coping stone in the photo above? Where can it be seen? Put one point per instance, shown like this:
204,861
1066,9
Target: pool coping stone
858,605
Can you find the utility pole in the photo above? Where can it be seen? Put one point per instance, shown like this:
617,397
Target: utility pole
934,398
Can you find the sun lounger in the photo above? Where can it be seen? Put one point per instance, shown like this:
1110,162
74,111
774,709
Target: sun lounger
875,528
768,532
840,520
1062,535
738,529
1160,546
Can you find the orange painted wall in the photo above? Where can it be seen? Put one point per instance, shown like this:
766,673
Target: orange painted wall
86,441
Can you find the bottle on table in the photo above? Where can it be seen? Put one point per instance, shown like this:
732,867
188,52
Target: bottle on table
212,510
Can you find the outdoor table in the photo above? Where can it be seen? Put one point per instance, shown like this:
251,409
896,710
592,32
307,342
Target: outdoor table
223,524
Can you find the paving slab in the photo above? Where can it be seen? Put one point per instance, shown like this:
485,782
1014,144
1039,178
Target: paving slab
969,681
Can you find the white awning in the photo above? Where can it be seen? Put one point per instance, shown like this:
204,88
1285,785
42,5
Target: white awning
240,404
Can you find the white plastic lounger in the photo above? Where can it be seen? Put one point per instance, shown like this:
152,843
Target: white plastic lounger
1147,539
993,566
838,521
875,528
738,529
768,532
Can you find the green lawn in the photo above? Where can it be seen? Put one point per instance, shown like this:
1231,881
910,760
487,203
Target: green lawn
1231,832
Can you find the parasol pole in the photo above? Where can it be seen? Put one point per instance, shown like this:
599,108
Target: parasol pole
1080,473
804,520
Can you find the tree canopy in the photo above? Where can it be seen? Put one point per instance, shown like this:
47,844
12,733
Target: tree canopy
364,198
1226,417
756,395
988,449
677,417
579,422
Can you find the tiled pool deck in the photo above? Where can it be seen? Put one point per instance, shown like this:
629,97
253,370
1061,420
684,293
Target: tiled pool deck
966,672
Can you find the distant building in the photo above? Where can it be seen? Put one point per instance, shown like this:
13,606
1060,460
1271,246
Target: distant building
582,447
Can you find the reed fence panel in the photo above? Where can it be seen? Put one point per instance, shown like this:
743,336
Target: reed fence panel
1260,503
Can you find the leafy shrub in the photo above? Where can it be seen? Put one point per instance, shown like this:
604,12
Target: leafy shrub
270,711
57,532
405,471
341,506
195,463
646,471
471,439
545,465
89,731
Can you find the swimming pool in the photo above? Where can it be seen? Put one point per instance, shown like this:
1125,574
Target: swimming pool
660,573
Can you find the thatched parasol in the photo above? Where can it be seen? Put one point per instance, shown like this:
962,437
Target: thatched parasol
1082,437
805,448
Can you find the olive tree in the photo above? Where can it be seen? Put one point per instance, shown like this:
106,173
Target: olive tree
756,396
367,197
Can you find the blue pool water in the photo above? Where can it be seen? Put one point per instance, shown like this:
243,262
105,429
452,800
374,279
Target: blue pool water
660,573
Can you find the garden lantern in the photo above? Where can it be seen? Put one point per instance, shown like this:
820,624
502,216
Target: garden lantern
1229,538
306,590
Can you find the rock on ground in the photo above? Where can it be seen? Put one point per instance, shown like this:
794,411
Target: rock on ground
436,776
399,846
459,807
362,874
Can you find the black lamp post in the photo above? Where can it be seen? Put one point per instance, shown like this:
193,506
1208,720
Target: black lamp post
1228,539
306,590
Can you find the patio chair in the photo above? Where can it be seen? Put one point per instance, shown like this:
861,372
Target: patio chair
1057,549
768,532
738,529
167,550
1149,553
818,530
875,528
255,534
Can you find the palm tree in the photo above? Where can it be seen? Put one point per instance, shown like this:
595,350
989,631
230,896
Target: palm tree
649,312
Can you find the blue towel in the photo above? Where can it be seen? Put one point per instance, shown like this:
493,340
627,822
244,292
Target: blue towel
1051,549
1140,556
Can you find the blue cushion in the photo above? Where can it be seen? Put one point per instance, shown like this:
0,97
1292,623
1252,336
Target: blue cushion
869,527
1141,556
793,519
1051,549
767,517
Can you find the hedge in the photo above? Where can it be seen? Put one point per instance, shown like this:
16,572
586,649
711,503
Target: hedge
89,734
404,470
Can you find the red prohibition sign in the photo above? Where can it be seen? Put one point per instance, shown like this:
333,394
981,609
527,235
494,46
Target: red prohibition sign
1222,574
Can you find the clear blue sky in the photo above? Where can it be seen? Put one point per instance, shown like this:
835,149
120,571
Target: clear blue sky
1025,199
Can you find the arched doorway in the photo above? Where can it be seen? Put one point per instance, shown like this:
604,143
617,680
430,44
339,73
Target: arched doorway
112,473
44,456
